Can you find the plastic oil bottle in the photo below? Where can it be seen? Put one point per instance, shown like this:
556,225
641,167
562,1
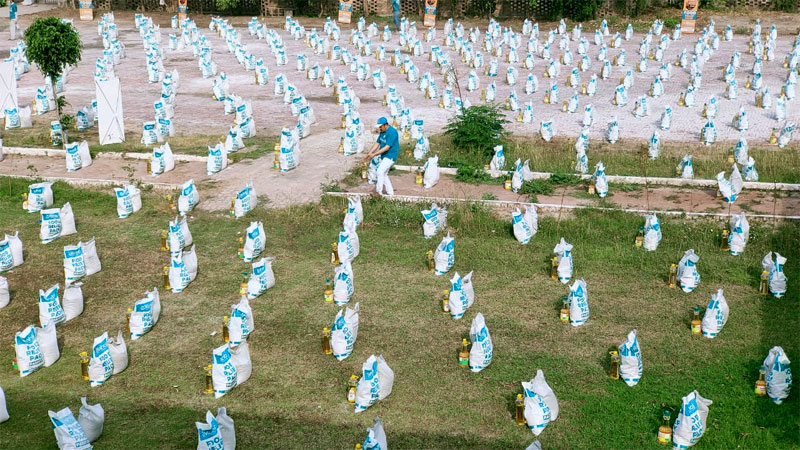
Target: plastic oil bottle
554,268
128,320
613,368
225,335
564,316
640,237
724,244
446,301
673,275
665,430
334,253
463,354
761,384
276,161
507,183
519,410
164,247
25,194
326,341
232,211
352,383
209,379
431,262
418,177
591,189
171,202
243,284
364,170
240,249
328,290
84,366
697,324
763,287
166,278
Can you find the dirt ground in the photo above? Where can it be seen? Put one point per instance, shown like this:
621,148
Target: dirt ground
654,198
195,110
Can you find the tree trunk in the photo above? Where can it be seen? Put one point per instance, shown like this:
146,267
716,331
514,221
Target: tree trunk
58,113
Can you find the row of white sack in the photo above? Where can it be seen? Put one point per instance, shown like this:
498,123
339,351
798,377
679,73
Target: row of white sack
688,276
40,196
129,199
80,260
36,347
71,434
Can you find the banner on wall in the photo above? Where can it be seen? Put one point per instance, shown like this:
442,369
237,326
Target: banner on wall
86,12
429,19
689,15
345,11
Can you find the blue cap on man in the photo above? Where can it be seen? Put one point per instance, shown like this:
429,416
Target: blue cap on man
382,121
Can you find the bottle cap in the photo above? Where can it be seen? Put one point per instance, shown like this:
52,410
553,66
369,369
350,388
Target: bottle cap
519,395
84,354
130,310
325,330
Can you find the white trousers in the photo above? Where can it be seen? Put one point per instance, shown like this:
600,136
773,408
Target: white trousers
383,177
12,30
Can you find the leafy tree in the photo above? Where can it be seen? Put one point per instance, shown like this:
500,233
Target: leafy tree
53,45
478,128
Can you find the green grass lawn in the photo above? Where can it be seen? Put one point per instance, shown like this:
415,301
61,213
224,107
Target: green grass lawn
623,158
296,395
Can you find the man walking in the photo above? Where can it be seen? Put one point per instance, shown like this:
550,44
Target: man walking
396,13
387,145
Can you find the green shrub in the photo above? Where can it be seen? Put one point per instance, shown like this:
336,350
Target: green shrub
543,187
227,5
671,22
786,5
564,179
478,128
471,174
581,10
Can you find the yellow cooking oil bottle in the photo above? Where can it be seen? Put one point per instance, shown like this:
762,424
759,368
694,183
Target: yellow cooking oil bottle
84,366
673,275
352,383
166,278
665,430
326,341
564,315
761,383
328,290
519,410
613,368
463,354
697,324
209,379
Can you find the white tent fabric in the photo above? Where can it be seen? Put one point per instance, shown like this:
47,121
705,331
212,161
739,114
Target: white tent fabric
8,86
109,111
